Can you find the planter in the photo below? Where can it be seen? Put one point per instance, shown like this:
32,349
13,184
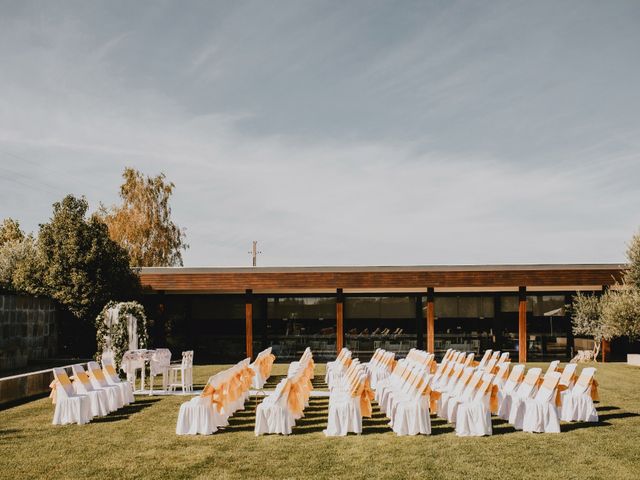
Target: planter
633,359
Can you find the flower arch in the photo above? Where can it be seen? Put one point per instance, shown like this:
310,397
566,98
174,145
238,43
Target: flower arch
120,326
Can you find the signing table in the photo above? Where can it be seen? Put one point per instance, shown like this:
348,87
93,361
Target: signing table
134,360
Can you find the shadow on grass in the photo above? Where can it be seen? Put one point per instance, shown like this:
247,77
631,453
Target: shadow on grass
126,412
606,408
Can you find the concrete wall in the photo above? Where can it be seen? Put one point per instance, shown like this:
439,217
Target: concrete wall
28,330
27,385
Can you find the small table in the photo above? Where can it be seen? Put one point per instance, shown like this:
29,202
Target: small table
133,360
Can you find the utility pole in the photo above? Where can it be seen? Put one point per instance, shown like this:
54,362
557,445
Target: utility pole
254,252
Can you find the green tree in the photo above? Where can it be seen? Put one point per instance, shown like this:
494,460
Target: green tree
632,276
20,266
621,311
587,319
82,268
10,231
142,224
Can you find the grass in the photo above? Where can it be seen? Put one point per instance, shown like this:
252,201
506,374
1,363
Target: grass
140,442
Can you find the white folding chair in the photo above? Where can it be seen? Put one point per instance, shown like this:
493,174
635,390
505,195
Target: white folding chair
98,397
70,407
540,412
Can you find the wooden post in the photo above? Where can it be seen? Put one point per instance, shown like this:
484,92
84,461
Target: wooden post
604,350
522,325
248,315
339,320
431,320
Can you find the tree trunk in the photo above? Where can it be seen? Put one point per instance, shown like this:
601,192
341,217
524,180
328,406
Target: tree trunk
596,349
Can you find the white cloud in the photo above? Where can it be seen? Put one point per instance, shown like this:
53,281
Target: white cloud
76,110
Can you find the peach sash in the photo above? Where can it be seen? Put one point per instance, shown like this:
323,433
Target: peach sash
99,375
362,390
215,397
82,378
110,370
59,382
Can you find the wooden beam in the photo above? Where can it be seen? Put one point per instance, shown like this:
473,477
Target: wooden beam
248,315
604,349
522,325
339,320
431,321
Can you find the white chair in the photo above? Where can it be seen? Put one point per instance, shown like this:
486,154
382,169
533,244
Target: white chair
473,417
540,412
526,390
98,397
99,380
202,414
70,407
345,414
279,411
112,378
114,394
467,395
508,388
454,391
181,375
411,414
159,365
577,403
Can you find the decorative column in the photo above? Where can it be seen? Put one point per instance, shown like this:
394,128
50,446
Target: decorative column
522,325
339,319
248,315
431,320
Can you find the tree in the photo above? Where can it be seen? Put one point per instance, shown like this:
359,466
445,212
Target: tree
10,231
632,276
20,266
142,224
82,267
587,320
621,311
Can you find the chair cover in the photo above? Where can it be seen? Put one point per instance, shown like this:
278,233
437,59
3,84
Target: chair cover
112,378
577,403
70,407
97,397
540,412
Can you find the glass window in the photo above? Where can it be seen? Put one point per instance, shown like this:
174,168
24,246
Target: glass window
293,323
381,322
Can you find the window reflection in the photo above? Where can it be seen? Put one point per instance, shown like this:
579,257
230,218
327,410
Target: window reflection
290,324
380,322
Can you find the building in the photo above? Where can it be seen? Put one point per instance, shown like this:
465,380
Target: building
226,313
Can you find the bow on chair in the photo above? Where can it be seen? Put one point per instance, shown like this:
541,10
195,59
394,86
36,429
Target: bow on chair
216,399
294,399
493,399
54,394
595,395
365,394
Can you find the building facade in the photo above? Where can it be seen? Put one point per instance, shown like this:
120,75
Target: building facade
224,314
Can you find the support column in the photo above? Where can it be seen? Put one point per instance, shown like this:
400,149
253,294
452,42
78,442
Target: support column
339,319
248,316
431,321
522,325
605,348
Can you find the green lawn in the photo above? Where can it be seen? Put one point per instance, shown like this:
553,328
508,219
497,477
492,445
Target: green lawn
140,442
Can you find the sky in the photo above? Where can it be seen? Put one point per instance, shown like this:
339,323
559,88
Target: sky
335,133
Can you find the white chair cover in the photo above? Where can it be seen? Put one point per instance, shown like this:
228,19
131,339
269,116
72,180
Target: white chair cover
70,407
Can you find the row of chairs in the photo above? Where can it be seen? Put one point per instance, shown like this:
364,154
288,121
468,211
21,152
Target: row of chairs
404,395
536,403
278,412
224,394
92,393
381,365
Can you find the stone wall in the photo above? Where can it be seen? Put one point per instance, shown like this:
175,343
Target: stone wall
28,330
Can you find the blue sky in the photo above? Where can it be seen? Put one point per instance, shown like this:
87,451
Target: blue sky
361,132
